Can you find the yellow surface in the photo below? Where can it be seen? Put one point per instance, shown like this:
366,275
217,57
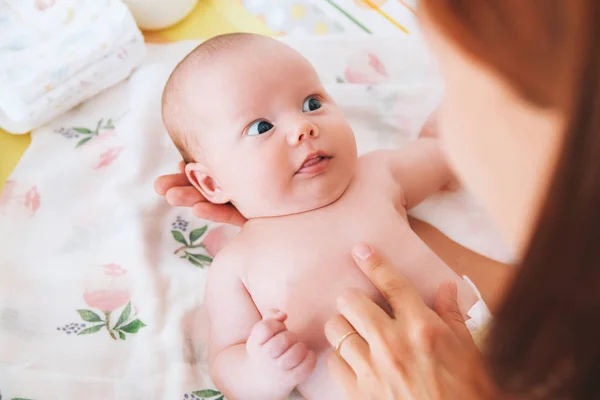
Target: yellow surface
209,18
12,148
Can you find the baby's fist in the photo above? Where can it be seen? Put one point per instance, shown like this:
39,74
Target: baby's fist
277,349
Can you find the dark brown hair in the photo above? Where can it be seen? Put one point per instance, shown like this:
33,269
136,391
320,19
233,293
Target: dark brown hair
545,339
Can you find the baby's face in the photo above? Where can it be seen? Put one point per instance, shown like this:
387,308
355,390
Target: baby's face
273,140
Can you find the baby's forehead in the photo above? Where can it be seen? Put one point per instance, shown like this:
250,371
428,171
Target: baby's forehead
249,76
253,61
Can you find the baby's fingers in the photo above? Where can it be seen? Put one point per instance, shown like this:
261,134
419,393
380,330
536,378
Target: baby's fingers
265,330
280,343
294,356
303,370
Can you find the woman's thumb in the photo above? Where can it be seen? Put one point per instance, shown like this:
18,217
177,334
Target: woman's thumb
446,306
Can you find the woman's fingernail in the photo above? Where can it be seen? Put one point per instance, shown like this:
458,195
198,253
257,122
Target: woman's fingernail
362,251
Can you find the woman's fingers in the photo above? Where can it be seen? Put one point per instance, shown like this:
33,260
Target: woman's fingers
162,184
446,306
184,196
394,287
350,346
224,213
180,193
343,375
362,313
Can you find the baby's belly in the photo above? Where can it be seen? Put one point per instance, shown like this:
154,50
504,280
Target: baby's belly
310,300
304,275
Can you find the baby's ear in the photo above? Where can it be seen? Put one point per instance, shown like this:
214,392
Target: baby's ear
200,176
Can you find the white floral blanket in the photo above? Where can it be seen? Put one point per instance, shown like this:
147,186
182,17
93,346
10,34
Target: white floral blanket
101,282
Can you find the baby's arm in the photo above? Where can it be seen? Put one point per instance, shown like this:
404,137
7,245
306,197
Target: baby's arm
421,170
251,358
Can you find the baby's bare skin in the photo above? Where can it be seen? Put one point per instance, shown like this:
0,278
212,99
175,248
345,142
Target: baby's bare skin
300,264
259,130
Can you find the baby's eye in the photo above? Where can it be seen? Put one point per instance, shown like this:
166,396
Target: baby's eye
311,104
259,127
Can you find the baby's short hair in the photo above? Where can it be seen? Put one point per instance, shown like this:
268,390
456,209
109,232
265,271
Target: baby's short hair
173,111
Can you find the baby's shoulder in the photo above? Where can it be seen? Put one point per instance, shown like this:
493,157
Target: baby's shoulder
375,162
229,262
376,158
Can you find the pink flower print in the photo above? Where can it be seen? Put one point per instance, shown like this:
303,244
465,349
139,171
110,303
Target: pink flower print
32,200
366,69
108,157
106,300
217,238
43,5
377,65
114,270
106,134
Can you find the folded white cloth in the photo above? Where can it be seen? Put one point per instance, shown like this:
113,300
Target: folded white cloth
54,54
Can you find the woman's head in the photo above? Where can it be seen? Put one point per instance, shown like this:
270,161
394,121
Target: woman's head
521,124
508,68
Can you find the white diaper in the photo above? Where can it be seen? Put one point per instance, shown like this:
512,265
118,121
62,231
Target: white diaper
479,314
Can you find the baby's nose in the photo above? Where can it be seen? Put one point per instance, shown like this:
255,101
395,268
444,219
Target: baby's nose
302,133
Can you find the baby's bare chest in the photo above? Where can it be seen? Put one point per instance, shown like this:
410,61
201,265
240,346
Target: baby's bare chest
301,265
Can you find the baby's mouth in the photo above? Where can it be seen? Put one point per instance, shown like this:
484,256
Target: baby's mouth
314,163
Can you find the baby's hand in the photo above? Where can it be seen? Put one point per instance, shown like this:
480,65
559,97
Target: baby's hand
278,351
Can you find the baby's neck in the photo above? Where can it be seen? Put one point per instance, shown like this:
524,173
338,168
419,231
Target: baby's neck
259,219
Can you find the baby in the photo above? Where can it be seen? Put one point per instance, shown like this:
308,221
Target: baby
257,129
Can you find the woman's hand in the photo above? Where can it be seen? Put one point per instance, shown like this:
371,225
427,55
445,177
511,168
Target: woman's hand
418,354
180,193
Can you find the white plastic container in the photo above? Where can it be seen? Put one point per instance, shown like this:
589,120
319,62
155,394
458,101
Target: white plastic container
159,14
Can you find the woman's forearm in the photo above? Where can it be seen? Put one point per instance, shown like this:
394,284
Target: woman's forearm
491,277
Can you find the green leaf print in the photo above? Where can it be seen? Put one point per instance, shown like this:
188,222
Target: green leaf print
133,326
89,316
201,258
220,398
206,393
122,335
197,234
84,141
124,315
98,126
85,131
91,329
196,263
179,237
109,124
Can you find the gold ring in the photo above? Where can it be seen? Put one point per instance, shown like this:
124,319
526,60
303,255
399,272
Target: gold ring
337,348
